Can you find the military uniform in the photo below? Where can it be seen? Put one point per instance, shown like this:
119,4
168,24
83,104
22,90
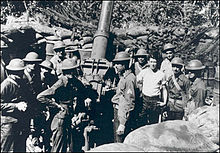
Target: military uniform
63,91
14,123
124,100
197,95
177,97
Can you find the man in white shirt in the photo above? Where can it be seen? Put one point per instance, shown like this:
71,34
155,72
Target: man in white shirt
153,81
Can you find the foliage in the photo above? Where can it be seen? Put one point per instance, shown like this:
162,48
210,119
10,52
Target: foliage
126,13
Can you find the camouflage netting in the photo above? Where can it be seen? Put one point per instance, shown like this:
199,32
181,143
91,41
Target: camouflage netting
206,118
171,136
116,147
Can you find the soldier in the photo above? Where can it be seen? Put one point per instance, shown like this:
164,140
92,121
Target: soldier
59,48
32,71
66,91
197,91
14,108
124,99
166,65
142,59
153,81
178,88
48,78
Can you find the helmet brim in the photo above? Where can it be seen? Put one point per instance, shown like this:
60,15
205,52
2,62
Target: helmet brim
32,60
69,68
121,60
199,68
14,68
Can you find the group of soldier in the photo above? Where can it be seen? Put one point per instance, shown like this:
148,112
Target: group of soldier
46,102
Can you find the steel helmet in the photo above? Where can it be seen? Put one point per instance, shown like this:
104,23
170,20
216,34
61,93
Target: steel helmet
168,46
16,65
69,64
141,52
177,61
32,57
195,65
47,64
121,56
59,45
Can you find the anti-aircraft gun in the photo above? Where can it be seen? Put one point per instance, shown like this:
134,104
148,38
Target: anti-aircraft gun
94,71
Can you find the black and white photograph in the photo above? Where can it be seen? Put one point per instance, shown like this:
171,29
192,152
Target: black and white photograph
110,76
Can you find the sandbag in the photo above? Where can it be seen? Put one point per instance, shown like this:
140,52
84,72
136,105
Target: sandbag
116,147
63,33
175,135
86,46
137,31
87,40
206,119
143,38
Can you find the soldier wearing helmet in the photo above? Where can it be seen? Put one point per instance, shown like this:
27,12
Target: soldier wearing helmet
142,59
124,99
32,71
197,91
59,48
69,95
14,108
48,77
166,65
178,87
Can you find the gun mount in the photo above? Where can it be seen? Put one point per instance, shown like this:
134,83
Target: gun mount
95,67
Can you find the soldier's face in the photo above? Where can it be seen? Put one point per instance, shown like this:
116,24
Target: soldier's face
191,75
176,68
152,63
141,60
169,54
119,67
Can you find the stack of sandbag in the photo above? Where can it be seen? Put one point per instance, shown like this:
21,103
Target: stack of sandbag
206,119
175,136
153,37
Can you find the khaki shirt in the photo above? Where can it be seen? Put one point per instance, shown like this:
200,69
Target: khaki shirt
180,97
125,96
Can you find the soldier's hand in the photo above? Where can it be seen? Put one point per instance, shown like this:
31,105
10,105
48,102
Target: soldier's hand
22,106
160,103
121,129
87,102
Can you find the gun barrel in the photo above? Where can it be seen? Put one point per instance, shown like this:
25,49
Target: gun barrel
102,34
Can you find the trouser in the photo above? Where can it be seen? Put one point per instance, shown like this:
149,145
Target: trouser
176,111
117,138
12,138
61,134
150,111
175,115
77,140
129,126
